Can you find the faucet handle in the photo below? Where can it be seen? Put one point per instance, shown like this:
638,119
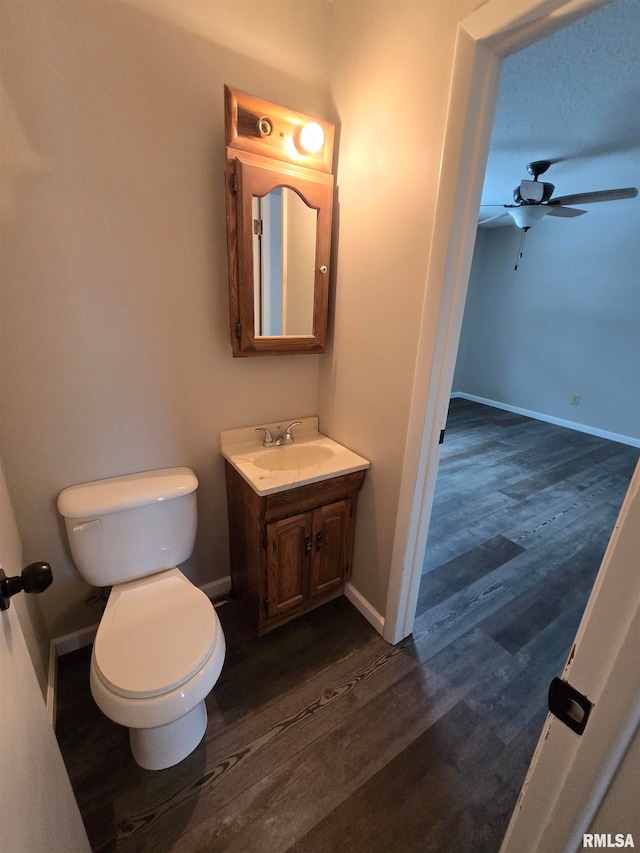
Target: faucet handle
287,436
268,437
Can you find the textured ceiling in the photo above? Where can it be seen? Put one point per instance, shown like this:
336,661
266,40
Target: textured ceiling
573,98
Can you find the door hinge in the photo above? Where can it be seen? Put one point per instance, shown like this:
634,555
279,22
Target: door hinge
441,439
238,331
265,603
265,541
257,227
568,705
233,183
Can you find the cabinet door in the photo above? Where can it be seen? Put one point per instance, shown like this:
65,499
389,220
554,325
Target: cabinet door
288,554
329,538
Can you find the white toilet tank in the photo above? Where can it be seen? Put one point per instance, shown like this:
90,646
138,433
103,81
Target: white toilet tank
127,527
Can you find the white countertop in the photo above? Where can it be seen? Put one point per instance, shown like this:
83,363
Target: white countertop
243,449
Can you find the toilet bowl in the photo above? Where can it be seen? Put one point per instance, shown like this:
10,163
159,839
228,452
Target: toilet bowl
157,654
159,648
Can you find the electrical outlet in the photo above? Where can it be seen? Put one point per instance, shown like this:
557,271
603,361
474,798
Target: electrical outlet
575,399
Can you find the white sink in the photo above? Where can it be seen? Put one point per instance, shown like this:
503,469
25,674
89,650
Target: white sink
311,458
293,456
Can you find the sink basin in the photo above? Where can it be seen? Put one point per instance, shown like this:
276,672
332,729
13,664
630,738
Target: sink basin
313,456
292,457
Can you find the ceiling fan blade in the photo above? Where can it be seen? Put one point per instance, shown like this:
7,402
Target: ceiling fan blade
496,221
566,212
599,195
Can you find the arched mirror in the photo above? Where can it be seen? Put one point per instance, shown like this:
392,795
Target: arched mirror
278,233
284,263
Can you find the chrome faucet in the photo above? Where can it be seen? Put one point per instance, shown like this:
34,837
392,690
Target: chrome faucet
285,438
268,437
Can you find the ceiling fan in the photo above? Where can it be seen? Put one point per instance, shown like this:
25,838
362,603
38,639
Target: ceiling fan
534,200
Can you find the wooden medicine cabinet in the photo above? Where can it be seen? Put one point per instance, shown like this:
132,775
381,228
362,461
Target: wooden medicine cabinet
279,199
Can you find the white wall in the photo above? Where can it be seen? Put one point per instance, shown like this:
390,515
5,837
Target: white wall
115,352
566,322
391,69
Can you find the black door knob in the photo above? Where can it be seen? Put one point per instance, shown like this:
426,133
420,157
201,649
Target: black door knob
36,577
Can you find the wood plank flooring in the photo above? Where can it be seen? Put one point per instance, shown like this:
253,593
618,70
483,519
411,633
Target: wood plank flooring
322,737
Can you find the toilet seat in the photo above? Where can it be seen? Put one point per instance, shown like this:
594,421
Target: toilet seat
155,634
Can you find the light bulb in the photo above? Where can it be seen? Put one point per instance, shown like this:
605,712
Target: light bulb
312,137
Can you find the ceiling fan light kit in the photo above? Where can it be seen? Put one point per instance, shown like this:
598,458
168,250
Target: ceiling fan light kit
533,200
527,215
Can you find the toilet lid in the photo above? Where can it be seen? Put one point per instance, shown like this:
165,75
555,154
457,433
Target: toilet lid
154,635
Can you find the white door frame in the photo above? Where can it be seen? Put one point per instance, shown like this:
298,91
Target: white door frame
484,38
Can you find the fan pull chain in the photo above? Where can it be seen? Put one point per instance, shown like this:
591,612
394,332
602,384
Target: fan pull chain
521,246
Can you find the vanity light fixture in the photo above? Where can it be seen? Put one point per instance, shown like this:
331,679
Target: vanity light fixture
311,137
256,126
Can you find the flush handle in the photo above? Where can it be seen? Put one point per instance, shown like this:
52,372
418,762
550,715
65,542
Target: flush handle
34,579
85,525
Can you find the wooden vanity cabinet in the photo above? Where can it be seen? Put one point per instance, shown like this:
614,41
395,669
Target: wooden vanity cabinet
290,551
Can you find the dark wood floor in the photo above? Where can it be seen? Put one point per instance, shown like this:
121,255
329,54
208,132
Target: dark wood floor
322,737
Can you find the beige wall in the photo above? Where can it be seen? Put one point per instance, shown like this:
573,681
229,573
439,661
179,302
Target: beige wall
115,344
391,66
115,352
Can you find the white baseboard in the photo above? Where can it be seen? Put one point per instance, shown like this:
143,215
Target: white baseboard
364,607
550,419
74,640
213,589
52,684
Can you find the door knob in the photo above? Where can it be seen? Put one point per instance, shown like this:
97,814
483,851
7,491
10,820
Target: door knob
35,578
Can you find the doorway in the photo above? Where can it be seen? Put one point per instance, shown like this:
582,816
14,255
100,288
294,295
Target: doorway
521,465
483,38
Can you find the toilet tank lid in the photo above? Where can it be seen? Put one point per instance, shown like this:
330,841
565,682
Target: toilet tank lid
101,497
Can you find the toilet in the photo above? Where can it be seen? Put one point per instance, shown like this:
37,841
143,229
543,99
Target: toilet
160,647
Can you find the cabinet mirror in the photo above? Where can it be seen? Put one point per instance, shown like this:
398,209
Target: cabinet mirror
278,237
284,263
